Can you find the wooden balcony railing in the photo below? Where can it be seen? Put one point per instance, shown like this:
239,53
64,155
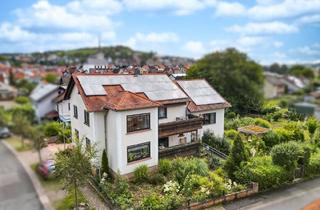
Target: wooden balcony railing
192,148
179,126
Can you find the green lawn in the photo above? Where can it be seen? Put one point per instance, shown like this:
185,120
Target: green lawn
15,142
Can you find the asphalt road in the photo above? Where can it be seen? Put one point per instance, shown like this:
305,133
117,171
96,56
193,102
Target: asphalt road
291,198
16,189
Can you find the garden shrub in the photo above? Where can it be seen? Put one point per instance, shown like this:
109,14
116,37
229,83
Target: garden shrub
214,162
270,139
261,122
316,136
165,166
52,129
104,163
220,144
22,100
140,174
157,179
185,166
313,168
286,155
312,124
152,201
261,170
237,155
197,188
118,192
231,134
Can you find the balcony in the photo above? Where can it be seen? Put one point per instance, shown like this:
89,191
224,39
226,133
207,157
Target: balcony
182,150
179,126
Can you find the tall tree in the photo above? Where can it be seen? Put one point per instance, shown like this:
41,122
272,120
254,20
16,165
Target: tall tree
37,136
301,71
74,166
235,76
22,127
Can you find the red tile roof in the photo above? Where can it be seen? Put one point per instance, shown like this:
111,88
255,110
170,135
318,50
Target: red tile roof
116,99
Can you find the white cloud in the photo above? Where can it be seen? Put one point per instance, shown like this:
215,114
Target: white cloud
249,41
274,27
230,9
153,38
43,14
195,48
179,7
277,44
309,19
283,9
308,50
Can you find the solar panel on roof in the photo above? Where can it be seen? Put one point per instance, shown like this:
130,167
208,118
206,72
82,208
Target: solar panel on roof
200,92
156,87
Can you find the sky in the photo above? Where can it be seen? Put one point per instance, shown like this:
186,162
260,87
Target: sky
284,31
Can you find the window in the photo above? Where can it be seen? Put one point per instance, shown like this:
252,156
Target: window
163,142
138,122
138,152
86,118
88,144
76,133
68,106
75,111
209,118
162,112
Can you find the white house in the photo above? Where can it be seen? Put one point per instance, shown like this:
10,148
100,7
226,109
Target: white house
63,107
139,118
42,98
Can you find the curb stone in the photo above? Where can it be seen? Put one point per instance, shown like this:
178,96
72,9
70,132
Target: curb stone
34,179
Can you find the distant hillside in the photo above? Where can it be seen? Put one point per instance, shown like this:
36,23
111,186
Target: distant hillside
118,55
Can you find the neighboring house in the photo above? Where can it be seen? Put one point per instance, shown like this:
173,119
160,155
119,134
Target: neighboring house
140,118
274,85
42,98
63,107
7,92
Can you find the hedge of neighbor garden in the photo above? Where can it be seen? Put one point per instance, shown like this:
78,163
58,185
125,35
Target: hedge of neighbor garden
288,151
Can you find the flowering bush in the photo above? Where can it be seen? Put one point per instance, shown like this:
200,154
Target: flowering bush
171,187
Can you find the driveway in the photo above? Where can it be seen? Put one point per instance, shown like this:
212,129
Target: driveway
16,189
291,198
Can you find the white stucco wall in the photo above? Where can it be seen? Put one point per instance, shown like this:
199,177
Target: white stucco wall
217,128
45,105
174,111
270,90
63,109
118,140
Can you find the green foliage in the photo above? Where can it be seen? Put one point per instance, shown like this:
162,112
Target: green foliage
261,122
214,162
157,179
165,166
313,168
4,117
75,167
68,202
51,78
312,124
25,87
25,110
22,100
261,170
238,122
52,129
104,163
270,139
185,166
235,76
152,201
286,155
301,71
237,155
118,192
231,134
220,144
316,137
141,174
